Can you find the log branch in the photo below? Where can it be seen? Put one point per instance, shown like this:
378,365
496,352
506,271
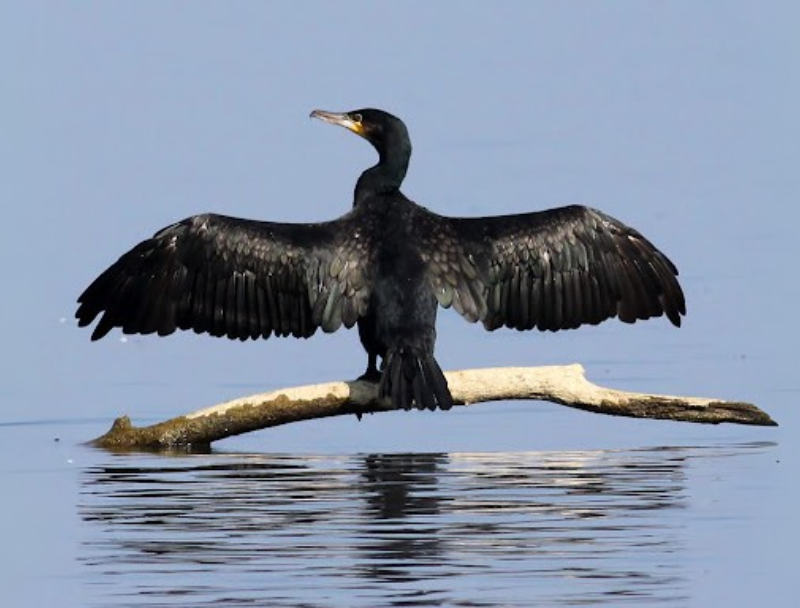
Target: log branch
566,385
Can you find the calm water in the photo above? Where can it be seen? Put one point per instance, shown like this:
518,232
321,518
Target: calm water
401,529
552,528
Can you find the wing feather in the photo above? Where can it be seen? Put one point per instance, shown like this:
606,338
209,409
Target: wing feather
556,269
237,278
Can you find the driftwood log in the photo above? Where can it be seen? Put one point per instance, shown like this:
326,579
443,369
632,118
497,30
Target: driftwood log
566,385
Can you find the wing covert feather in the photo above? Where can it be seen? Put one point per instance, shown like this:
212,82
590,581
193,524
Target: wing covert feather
237,278
555,269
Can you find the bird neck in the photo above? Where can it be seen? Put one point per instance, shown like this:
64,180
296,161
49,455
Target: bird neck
385,177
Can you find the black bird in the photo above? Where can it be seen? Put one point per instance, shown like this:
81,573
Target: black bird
385,266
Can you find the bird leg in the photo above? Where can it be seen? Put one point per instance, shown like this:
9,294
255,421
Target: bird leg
372,374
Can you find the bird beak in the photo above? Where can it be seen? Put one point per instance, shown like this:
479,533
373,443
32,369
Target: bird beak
342,119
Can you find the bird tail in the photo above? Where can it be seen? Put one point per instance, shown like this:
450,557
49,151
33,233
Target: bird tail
413,379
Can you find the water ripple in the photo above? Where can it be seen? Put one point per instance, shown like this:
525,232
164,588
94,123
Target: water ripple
501,529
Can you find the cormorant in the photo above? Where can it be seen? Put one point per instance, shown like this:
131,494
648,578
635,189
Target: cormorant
385,266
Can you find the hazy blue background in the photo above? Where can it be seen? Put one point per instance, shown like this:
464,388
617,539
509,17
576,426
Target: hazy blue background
680,118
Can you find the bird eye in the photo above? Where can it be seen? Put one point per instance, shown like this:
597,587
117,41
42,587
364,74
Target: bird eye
356,118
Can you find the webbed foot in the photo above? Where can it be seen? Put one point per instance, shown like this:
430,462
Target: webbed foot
372,374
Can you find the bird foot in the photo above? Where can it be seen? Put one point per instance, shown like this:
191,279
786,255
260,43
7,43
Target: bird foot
371,375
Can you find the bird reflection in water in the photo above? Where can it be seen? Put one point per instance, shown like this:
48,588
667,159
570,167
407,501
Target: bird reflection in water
402,506
413,528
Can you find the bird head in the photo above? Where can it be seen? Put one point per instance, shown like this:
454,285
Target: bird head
381,129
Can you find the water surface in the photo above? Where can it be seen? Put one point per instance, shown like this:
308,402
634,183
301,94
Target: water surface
461,529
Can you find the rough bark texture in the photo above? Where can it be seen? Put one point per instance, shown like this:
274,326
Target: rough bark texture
566,385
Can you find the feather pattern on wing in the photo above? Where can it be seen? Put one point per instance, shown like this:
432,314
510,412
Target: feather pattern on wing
237,278
555,269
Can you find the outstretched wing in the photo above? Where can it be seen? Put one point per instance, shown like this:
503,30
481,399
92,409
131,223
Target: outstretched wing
555,269
237,278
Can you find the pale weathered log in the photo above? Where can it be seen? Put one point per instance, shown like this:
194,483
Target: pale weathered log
566,385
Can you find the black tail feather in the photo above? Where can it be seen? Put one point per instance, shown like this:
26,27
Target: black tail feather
411,379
